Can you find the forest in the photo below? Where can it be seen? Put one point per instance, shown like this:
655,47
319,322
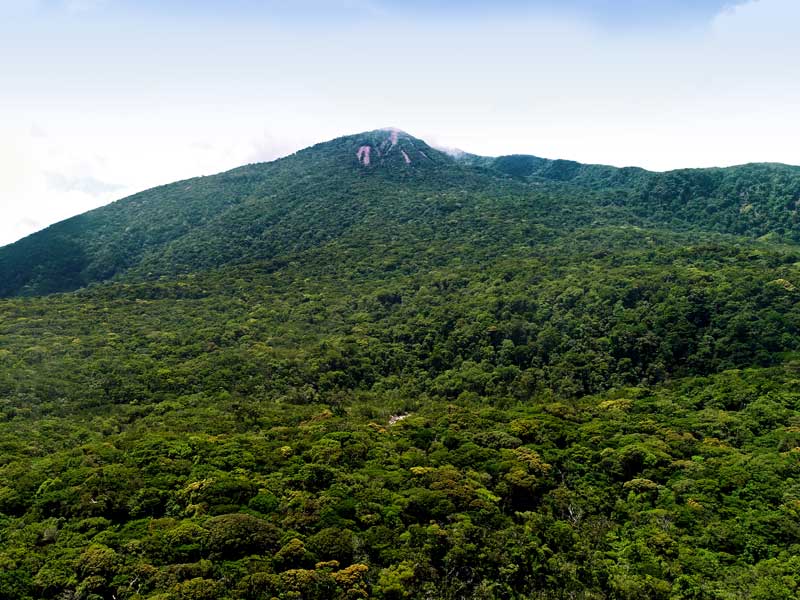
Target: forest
451,378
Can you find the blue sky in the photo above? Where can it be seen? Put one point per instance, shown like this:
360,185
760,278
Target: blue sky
102,98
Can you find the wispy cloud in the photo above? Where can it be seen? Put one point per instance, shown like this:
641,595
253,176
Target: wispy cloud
612,13
83,5
86,184
268,147
20,7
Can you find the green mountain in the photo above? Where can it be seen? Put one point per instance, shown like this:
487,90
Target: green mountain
257,212
375,370
377,183
753,200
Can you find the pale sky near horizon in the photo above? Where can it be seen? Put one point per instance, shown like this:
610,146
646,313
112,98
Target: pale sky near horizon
103,98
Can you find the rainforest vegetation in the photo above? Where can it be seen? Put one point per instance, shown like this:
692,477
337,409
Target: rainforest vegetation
475,378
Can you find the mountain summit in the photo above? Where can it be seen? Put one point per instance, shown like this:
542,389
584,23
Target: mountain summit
388,147
390,144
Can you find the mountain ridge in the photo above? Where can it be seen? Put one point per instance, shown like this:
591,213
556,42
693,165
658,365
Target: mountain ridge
254,212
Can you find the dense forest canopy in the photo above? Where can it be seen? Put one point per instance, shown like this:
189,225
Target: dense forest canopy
393,373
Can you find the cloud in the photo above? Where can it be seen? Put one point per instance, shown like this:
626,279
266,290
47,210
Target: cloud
48,178
19,229
611,13
770,22
608,13
83,5
368,6
86,184
269,147
625,10
22,7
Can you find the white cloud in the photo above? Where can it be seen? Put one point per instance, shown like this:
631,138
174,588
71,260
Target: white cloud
44,182
87,184
268,147
59,170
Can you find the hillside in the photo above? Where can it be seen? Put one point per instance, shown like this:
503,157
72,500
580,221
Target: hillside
376,184
752,200
407,376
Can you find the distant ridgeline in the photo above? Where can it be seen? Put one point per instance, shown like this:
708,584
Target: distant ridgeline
374,369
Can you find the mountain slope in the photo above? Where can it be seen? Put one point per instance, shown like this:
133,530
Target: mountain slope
184,217
375,183
403,378
754,199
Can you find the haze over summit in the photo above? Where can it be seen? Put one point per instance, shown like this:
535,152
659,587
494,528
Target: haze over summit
105,99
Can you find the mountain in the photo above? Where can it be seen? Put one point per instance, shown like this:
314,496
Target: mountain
193,221
376,370
378,182
754,199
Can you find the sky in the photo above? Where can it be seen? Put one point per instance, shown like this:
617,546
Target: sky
100,99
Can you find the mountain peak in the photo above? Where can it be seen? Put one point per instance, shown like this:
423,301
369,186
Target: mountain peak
388,149
391,145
